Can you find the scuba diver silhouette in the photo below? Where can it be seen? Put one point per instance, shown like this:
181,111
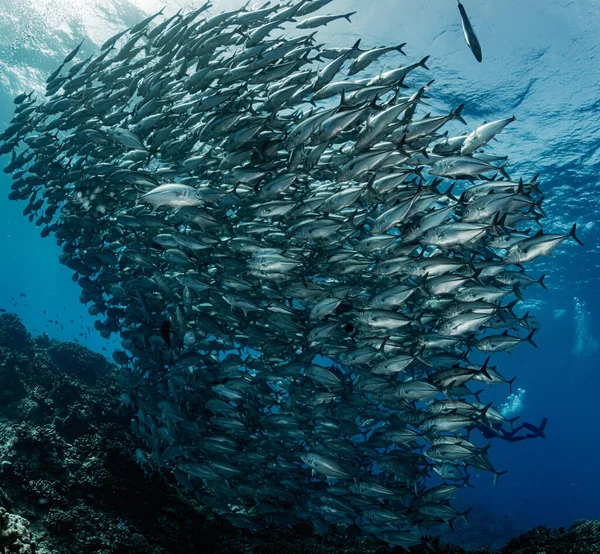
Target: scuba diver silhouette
497,431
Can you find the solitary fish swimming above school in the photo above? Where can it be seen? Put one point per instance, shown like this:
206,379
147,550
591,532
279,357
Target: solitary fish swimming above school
303,268
470,36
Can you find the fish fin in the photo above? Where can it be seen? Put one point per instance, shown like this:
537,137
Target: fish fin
448,192
538,204
383,343
455,114
477,393
484,411
517,293
422,63
542,427
466,482
501,169
484,368
400,146
573,235
529,338
400,47
497,474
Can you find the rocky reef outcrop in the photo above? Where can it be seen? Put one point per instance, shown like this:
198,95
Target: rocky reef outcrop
582,537
14,534
67,457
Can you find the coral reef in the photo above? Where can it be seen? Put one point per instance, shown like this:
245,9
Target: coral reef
13,334
66,456
67,465
14,534
583,537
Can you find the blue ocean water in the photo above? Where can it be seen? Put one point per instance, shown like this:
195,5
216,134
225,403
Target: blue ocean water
540,63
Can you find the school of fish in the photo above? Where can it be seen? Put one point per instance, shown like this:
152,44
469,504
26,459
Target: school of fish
307,273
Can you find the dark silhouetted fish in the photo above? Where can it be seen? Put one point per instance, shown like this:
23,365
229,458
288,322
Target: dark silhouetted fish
470,36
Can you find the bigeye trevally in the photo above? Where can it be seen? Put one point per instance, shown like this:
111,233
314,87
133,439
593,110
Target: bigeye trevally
470,36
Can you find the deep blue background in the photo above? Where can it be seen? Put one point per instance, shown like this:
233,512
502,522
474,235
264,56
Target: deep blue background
540,64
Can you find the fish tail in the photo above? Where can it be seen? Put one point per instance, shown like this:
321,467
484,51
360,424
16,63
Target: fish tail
573,235
502,170
482,417
542,427
541,282
484,368
347,16
497,474
466,482
423,63
529,338
455,114
400,47
517,292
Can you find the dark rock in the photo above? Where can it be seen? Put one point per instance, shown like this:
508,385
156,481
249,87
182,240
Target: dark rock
77,360
11,387
15,535
583,537
13,333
